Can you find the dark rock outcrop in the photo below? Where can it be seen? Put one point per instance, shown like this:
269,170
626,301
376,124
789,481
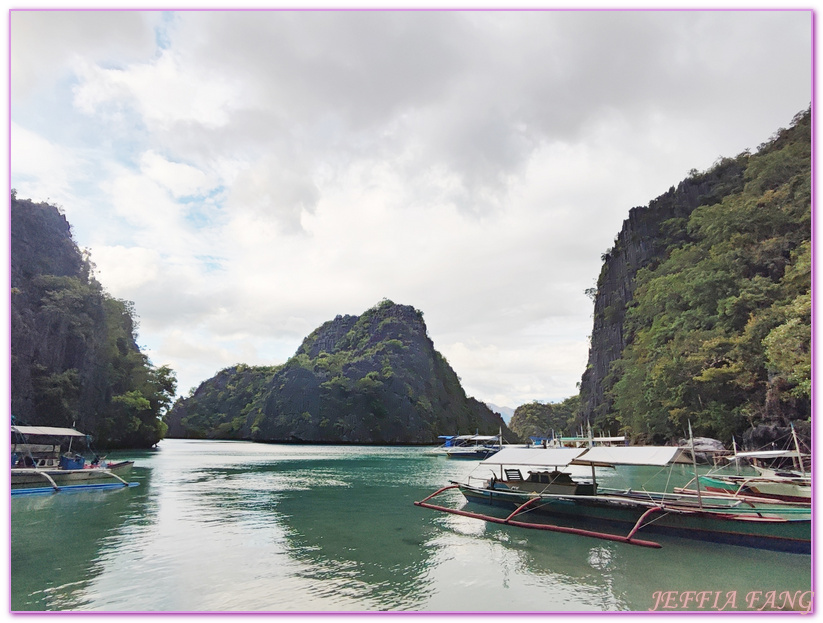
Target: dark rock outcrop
642,242
56,320
369,379
74,359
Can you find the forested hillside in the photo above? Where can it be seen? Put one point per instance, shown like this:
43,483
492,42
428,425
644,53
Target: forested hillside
537,419
74,359
373,378
703,307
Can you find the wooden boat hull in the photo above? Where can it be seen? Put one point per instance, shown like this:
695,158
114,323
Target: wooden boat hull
36,477
772,488
766,532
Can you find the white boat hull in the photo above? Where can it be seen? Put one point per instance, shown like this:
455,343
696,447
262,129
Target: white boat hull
25,477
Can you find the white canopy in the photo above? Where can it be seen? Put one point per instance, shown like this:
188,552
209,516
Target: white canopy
766,454
534,457
632,455
50,431
475,438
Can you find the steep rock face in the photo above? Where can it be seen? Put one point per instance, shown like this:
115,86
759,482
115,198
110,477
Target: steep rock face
56,323
374,378
703,308
642,242
74,359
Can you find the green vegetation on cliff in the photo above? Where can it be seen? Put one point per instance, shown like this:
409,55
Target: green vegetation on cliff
74,359
537,419
718,331
220,407
373,378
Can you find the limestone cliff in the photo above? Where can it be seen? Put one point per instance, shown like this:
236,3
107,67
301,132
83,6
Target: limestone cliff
74,360
702,311
642,242
371,379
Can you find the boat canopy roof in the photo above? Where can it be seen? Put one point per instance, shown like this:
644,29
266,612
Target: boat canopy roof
537,457
602,456
766,454
594,439
632,455
476,437
48,431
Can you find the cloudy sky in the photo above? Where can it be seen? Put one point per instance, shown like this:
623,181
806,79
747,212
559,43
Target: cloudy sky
244,176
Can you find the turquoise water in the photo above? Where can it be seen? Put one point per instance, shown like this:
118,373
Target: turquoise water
235,526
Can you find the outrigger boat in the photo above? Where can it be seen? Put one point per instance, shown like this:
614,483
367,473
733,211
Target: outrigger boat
773,484
773,480
547,489
39,465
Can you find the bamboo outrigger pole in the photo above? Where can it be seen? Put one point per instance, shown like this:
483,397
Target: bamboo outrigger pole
510,521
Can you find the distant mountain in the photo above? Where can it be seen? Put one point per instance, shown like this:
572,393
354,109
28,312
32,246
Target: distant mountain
372,379
505,412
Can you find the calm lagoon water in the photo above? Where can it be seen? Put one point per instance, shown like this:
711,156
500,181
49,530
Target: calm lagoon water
236,526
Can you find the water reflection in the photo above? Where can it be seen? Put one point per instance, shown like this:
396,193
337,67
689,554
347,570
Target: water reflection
55,542
584,573
233,526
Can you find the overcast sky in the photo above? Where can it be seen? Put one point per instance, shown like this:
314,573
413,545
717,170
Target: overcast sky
245,176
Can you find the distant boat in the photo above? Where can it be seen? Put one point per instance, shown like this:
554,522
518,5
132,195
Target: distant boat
468,446
787,488
546,489
38,463
474,447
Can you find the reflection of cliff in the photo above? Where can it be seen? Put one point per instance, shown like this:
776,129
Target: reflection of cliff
358,535
55,541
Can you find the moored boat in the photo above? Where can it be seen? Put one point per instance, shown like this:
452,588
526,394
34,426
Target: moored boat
773,479
39,464
474,447
589,509
468,446
787,488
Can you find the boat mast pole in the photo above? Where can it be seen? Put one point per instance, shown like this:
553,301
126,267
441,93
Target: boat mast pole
797,448
591,445
694,465
736,460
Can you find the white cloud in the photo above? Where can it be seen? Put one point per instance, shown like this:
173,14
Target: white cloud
36,160
181,179
161,90
43,41
120,265
245,176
